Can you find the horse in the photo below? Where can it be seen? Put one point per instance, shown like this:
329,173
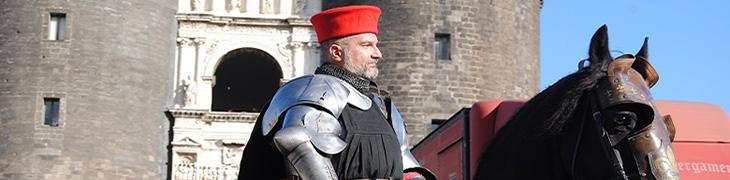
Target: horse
597,123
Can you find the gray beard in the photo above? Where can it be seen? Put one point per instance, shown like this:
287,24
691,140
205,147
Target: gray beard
360,72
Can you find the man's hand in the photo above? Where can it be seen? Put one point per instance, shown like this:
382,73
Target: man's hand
413,176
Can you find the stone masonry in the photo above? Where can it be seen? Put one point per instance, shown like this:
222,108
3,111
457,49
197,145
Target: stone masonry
111,75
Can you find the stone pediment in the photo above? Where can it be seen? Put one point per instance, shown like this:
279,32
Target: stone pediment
186,141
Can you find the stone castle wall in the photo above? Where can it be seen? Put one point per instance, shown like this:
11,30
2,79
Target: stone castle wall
494,54
111,75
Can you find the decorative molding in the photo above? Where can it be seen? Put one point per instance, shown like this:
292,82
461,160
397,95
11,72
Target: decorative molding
245,21
212,116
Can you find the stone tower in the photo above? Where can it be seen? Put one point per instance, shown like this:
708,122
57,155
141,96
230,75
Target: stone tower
83,88
443,55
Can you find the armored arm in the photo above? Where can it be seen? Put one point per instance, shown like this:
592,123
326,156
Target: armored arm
308,108
410,164
307,139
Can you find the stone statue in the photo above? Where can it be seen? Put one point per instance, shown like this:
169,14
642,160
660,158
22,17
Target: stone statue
267,7
235,6
196,5
188,88
299,6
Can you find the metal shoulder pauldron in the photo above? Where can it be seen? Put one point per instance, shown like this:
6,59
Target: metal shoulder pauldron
320,91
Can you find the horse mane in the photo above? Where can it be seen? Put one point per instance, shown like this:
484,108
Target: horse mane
551,109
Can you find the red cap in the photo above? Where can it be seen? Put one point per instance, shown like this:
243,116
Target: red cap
345,21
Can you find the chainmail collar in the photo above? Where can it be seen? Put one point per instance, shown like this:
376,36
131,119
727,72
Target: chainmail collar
360,83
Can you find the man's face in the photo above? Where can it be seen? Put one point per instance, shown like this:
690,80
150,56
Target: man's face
361,54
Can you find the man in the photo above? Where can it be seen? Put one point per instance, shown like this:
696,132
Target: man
335,124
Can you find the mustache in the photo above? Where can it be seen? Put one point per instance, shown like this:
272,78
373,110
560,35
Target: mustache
374,61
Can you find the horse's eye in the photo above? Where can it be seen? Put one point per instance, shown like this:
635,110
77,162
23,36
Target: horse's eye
625,117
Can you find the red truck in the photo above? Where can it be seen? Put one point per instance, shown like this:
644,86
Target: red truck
701,143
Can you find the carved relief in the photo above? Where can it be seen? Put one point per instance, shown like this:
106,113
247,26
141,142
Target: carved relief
211,48
285,49
184,172
187,158
277,28
231,155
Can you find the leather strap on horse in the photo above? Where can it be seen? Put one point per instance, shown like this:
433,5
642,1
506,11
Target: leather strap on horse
613,154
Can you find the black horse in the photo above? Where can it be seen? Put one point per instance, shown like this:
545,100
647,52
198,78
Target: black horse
597,123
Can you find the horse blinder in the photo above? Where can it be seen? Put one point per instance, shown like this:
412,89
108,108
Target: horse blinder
626,89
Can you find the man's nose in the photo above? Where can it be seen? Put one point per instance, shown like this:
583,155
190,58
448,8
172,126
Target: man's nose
377,54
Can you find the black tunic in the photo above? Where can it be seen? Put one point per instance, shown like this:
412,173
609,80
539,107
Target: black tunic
372,151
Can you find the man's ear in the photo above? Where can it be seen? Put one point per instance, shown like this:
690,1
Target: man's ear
336,53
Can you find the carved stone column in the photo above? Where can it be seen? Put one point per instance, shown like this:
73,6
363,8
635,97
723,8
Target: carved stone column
303,55
187,56
298,58
199,57
197,68
311,57
185,63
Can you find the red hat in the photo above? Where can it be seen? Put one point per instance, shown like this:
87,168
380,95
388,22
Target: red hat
345,21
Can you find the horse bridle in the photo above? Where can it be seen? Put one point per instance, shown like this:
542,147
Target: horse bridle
649,143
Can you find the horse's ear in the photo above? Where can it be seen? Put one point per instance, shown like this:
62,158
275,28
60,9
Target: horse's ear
641,64
644,51
598,53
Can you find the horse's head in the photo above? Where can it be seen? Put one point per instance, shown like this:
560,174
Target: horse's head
597,123
631,129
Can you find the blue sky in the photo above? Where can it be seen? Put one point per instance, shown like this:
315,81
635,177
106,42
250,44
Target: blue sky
689,42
